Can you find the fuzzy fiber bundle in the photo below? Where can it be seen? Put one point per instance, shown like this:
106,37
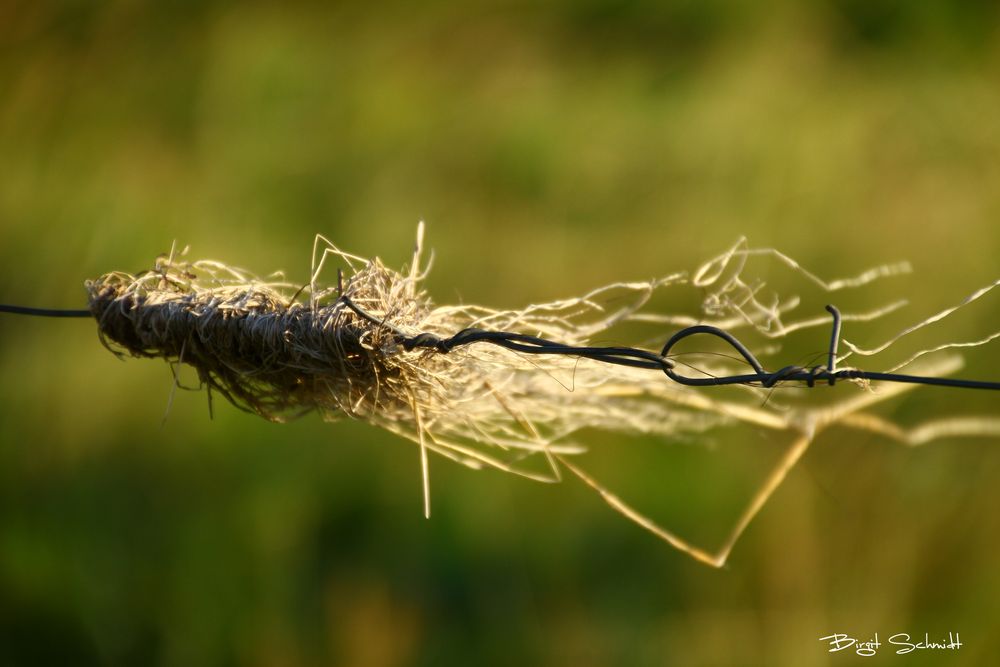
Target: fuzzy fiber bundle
280,351
274,354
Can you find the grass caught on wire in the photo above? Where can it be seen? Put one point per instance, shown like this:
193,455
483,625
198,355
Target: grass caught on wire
503,389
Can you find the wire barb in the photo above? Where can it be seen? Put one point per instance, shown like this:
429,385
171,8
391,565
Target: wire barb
798,373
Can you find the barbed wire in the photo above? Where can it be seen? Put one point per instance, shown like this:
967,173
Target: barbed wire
639,358
627,356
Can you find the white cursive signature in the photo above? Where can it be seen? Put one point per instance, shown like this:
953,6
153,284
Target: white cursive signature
906,644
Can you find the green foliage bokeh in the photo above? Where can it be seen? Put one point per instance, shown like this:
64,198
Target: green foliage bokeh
550,149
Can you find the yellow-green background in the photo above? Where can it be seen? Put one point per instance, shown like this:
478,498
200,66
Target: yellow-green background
551,147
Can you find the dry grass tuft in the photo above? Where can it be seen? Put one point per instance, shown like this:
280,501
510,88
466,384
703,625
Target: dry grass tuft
281,351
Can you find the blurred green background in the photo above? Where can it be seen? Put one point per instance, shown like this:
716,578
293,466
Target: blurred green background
550,149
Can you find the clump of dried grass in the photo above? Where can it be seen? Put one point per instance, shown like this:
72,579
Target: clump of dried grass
278,350
264,351
277,355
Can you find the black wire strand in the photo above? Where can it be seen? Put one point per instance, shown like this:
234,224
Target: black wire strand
637,358
44,312
627,356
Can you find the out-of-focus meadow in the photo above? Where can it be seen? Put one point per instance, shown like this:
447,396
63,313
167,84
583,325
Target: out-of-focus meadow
550,149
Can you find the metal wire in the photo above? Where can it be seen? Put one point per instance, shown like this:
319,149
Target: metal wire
629,356
44,312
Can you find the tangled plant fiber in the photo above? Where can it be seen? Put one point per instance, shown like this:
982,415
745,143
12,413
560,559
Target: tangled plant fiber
280,351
